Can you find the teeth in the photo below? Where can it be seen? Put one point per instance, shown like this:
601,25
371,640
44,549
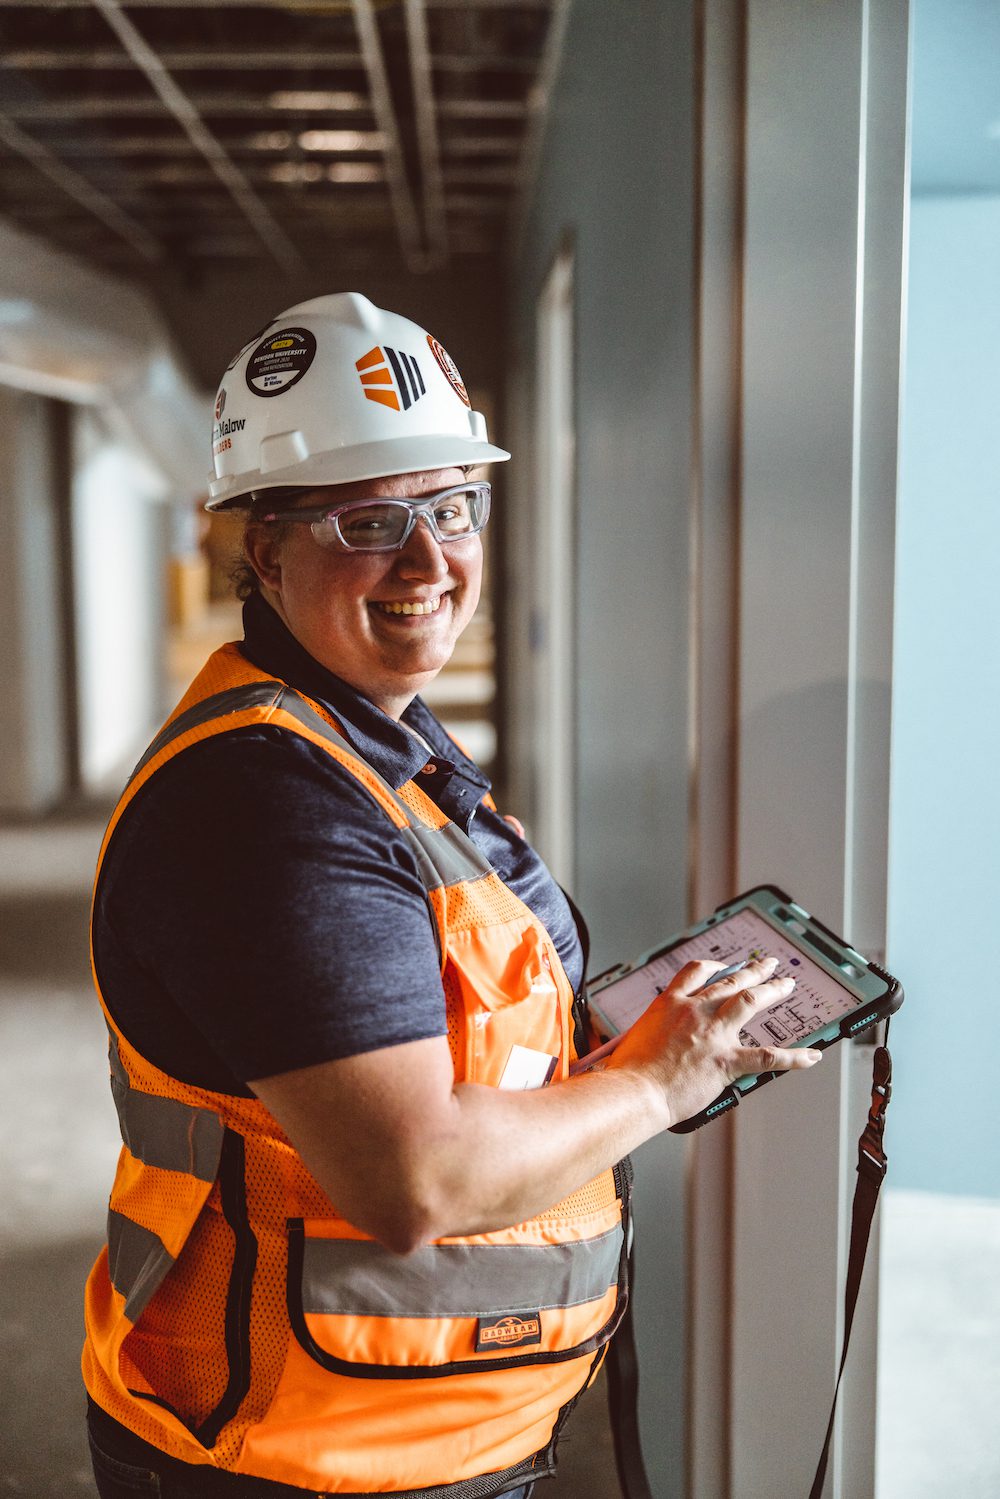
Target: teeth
431,607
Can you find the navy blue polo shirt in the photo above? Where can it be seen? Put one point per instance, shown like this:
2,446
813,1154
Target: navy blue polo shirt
258,912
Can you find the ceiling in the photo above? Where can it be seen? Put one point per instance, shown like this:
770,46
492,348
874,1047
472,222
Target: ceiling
179,136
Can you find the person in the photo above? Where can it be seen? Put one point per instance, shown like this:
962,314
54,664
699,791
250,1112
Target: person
367,1233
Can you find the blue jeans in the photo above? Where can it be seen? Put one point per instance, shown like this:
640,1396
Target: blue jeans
118,1480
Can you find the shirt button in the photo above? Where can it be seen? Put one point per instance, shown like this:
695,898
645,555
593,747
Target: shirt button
429,768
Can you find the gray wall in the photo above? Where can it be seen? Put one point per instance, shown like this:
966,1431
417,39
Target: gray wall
616,176
944,891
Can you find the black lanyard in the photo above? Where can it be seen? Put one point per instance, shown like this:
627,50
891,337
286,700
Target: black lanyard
623,1364
871,1174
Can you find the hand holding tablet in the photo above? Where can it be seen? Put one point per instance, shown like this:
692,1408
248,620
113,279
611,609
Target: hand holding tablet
829,991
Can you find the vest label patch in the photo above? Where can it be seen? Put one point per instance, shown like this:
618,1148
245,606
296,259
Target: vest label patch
512,1330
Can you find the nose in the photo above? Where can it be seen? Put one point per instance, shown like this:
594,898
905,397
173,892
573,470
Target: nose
423,555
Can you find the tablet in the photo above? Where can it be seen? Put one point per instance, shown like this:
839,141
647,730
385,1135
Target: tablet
838,993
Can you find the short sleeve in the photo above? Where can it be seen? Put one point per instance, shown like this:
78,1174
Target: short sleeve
258,912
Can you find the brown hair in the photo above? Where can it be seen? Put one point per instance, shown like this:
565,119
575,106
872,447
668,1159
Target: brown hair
262,501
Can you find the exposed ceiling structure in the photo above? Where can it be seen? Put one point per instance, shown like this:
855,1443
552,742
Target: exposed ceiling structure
205,134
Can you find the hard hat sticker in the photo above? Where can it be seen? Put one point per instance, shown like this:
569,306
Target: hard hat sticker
374,370
449,369
280,361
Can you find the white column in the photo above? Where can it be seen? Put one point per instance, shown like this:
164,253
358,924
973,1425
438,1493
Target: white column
32,729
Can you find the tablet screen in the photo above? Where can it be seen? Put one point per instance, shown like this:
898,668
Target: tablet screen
817,1000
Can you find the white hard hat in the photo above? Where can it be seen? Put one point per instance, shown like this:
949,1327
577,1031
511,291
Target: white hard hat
335,390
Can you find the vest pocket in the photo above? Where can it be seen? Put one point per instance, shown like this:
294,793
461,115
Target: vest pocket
451,1307
510,997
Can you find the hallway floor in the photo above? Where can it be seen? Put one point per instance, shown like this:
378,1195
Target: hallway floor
940,1376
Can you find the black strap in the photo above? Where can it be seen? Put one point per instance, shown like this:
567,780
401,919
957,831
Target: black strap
871,1173
623,1404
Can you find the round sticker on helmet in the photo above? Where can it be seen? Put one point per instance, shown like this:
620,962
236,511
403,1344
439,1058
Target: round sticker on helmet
449,369
220,404
280,361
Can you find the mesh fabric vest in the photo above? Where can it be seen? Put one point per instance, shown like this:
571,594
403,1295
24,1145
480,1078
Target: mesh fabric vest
236,1320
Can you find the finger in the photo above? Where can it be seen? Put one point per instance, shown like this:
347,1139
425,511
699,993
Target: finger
750,999
515,823
775,1058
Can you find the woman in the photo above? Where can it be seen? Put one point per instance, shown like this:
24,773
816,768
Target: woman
367,1235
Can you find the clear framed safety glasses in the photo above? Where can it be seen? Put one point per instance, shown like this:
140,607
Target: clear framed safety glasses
385,525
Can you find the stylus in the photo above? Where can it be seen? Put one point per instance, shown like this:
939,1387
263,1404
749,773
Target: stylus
725,974
582,1063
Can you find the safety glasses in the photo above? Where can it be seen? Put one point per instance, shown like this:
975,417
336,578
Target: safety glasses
384,525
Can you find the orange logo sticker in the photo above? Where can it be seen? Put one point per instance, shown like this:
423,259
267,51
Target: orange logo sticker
391,377
510,1331
449,369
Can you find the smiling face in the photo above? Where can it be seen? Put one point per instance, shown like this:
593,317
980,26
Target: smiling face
348,608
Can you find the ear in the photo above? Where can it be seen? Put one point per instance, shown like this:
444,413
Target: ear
262,547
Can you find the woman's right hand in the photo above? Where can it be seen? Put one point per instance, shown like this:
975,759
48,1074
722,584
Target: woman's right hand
687,1044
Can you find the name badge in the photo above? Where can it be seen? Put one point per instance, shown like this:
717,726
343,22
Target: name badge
526,1068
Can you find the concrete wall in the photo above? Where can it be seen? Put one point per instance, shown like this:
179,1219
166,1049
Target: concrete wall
944,891
616,177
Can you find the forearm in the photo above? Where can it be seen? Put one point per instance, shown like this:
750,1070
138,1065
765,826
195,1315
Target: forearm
408,1155
502,1157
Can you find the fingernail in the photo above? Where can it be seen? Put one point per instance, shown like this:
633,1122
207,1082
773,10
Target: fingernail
814,1056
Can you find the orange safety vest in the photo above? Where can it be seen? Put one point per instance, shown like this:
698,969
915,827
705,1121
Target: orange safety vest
236,1320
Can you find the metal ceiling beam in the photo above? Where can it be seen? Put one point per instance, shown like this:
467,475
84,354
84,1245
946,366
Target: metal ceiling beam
97,146
403,208
131,107
134,107
481,145
78,188
422,79
104,60
483,109
179,146
177,102
182,174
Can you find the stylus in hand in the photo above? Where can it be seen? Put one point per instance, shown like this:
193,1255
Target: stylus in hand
582,1063
725,974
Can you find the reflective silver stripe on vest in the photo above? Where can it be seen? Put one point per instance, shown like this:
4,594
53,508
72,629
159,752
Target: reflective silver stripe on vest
233,700
445,856
357,1278
137,1262
163,1131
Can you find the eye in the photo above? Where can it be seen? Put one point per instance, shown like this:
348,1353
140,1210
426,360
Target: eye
453,514
375,523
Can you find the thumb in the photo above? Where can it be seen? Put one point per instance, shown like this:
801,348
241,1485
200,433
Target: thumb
776,1058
